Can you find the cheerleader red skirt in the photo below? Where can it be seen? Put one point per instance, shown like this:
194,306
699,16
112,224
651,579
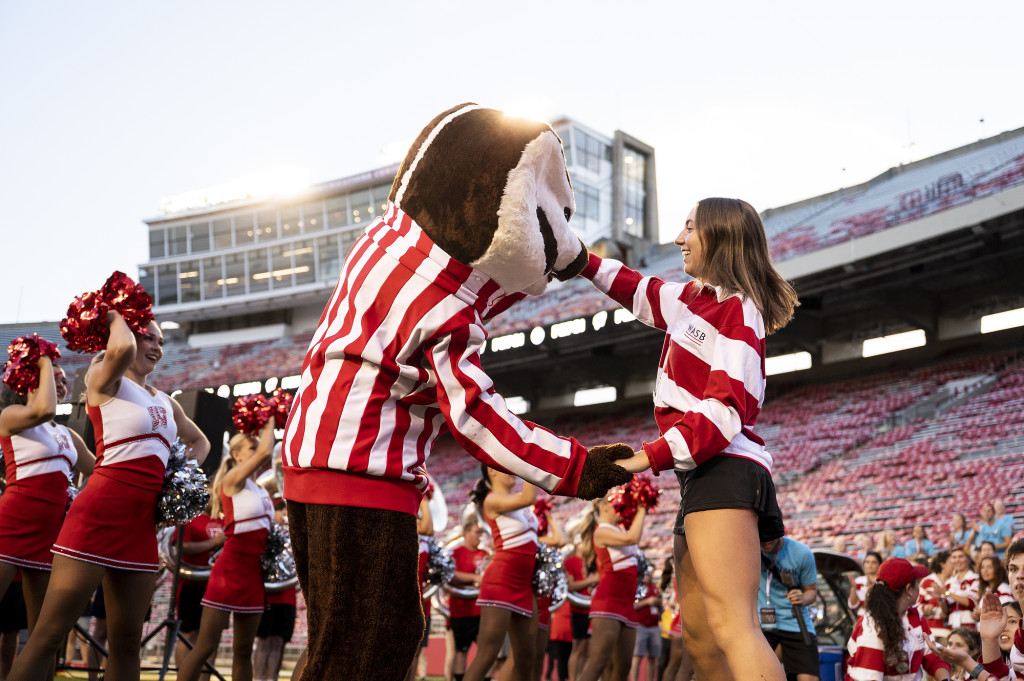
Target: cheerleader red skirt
614,596
112,523
236,582
30,520
508,582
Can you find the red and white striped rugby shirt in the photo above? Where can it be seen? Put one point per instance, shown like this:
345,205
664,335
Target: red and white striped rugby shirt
711,378
394,363
867,653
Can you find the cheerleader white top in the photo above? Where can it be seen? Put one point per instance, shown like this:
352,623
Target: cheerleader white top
515,531
130,427
38,461
615,558
248,511
36,452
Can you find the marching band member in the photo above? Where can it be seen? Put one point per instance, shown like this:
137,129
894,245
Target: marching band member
109,533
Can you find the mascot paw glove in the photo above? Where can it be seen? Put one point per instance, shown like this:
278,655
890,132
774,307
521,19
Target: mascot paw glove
601,473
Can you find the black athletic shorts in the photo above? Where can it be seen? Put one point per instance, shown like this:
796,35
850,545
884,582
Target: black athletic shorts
98,606
580,625
190,606
464,630
731,482
797,656
279,620
12,609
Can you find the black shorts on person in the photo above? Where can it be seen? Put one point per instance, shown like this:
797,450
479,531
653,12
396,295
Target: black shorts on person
731,482
464,631
12,610
797,656
580,625
278,620
190,606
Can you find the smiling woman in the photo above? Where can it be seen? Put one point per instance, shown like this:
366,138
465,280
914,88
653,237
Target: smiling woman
109,533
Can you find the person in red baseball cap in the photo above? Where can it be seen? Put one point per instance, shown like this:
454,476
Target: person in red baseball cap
890,637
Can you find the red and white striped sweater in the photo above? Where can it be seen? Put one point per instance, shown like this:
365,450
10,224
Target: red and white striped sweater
394,363
867,652
711,378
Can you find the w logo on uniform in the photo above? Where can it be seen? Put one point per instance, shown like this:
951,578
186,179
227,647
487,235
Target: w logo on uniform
159,417
62,443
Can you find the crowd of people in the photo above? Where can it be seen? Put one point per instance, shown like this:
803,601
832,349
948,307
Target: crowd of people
696,617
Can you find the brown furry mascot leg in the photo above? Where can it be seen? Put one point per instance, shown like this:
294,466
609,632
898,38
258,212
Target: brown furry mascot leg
357,568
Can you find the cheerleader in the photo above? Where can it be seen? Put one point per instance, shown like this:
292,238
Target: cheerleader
506,591
39,456
109,534
236,580
612,615
424,533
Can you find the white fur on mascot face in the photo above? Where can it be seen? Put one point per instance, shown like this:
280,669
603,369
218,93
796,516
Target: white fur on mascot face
535,211
494,193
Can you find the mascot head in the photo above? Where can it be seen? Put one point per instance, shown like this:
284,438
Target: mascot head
494,193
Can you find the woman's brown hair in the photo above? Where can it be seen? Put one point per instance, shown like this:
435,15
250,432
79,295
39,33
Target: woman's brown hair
736,258
237,441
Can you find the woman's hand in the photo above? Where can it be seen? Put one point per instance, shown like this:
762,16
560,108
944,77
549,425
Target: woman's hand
958,657
993,618
638,463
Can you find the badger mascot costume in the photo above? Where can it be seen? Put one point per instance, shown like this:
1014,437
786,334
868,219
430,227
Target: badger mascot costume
478,217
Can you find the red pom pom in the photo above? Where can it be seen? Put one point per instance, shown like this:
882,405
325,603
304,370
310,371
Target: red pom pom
281,404
541,508
250,413
21,373
85,327
640,491
645,491
135,305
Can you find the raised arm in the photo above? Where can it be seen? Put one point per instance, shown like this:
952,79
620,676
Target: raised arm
605,536
40,407
105,376
234,480
497,503
652,301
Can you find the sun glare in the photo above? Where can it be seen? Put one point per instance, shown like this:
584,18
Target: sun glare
531,108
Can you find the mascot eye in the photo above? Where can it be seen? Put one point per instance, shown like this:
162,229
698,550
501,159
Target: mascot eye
568,214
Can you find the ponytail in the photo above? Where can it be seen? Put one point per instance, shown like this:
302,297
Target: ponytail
482,489
587,528
881,605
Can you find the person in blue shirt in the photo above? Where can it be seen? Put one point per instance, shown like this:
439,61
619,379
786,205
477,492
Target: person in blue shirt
789,579
992,530
1005,520
920,546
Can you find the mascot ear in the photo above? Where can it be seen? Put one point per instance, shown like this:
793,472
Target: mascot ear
600,472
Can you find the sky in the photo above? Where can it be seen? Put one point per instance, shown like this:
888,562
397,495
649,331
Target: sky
107,107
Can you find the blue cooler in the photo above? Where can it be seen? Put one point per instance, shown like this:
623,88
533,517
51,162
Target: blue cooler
831,663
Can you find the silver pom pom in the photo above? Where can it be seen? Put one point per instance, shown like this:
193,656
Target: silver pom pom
643,568
278,563
185,493
440,564
72,491
549,578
